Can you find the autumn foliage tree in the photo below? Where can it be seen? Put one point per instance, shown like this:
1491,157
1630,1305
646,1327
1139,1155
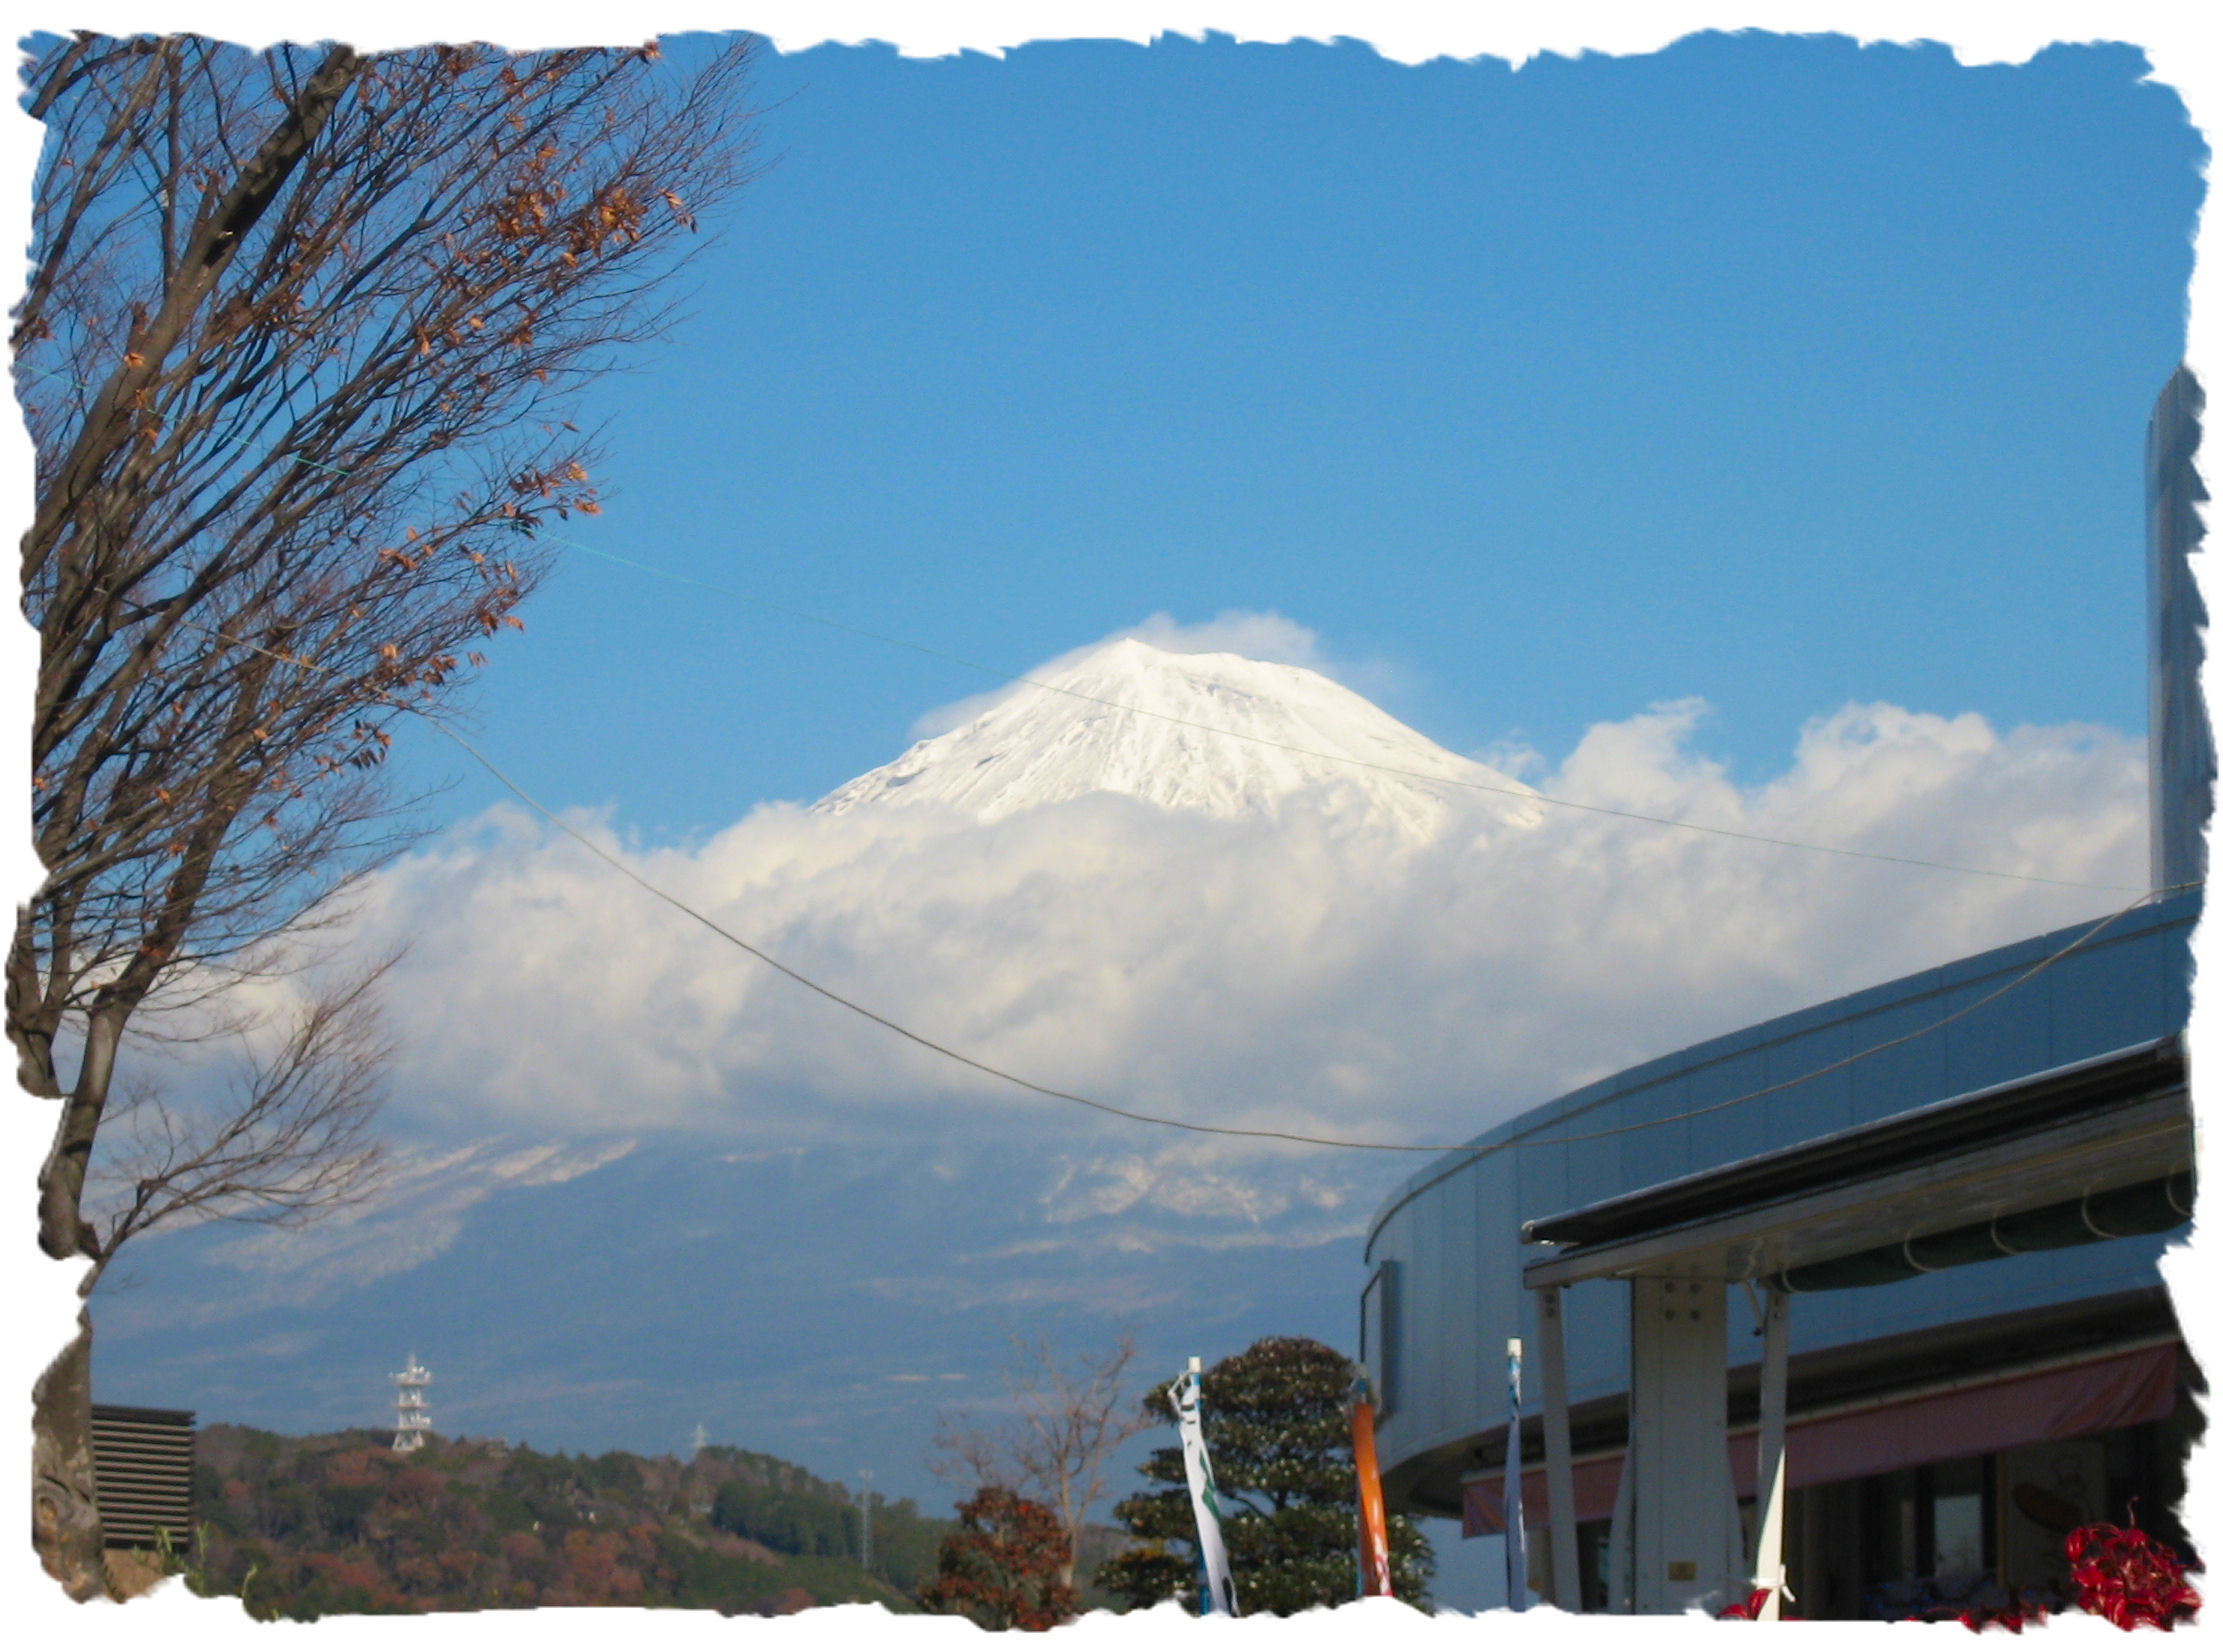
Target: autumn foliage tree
1004,1566
298,352
301,1527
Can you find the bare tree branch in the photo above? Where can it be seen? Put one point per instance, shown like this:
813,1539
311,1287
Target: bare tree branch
1068,1420
297,354
293,1140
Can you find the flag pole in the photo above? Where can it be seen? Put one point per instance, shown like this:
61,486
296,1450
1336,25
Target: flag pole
1216,1586
1516,1537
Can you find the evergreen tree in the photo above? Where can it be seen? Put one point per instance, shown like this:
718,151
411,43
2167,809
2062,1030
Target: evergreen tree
1277,1423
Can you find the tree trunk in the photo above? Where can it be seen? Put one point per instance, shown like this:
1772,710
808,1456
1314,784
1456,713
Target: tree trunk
65,1511
63,1230
1069,1571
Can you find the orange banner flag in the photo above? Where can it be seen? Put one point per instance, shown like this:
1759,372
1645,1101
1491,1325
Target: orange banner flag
1373,1516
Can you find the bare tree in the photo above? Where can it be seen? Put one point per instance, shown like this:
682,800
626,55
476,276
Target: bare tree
288,1138
1068,1419
296,353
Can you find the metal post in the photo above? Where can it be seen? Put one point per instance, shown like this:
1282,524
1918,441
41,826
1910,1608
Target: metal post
1559,1462
1516,1538
1772,1481
864,1504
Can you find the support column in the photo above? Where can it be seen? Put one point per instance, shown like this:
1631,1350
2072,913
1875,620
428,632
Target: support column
1559,1461
1621,1538
1773,1490
1678,1442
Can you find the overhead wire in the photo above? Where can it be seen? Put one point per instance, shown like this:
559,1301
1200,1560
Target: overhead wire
935,1046
1259,1133
1526,1140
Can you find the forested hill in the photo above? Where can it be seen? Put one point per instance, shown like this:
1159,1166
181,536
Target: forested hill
340,1522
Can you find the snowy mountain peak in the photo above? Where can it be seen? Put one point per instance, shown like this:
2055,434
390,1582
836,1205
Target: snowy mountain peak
1210,732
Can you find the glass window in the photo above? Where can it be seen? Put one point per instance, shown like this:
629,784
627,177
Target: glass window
1957,1519
1378,1330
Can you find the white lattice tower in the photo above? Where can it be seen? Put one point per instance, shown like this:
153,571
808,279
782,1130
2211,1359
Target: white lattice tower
412,1420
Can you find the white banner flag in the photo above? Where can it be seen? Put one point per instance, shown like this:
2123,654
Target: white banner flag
1219,1587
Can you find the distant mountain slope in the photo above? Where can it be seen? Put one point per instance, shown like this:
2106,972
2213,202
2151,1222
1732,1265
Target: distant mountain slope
340,1523
1209,732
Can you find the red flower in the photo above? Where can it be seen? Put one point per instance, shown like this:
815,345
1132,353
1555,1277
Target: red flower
2123,1574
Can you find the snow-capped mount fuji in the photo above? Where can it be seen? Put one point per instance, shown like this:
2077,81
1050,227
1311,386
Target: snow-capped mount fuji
1190,731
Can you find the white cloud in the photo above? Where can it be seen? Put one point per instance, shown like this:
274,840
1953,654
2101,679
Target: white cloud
1262,636
1229,972
1269,637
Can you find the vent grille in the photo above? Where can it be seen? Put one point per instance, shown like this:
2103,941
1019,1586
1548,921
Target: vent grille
143,1472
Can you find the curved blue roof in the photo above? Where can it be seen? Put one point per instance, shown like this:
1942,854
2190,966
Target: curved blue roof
1453,1227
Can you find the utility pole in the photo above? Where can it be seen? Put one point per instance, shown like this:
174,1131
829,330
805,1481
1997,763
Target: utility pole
864,1505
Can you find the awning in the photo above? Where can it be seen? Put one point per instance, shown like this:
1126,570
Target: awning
2090,1396
2100,1147
2088,1150
2159,1206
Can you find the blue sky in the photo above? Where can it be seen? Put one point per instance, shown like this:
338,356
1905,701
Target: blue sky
1775,371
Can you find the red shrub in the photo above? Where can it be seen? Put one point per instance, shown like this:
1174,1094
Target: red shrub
2126,1576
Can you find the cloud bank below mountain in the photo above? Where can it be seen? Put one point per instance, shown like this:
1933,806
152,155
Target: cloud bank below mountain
1286,973
622,1146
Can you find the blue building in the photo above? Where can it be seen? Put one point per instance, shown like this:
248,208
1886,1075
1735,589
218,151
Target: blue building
1859,1305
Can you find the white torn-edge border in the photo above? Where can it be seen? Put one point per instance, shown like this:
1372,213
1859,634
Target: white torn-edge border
2183,41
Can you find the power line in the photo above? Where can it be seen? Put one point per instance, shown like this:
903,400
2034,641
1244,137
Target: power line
1527,1141
1025,1084
939,1049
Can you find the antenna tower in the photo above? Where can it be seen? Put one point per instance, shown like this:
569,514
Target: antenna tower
412,1421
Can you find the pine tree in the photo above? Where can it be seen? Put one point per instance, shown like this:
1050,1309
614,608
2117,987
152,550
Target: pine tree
1277,1423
